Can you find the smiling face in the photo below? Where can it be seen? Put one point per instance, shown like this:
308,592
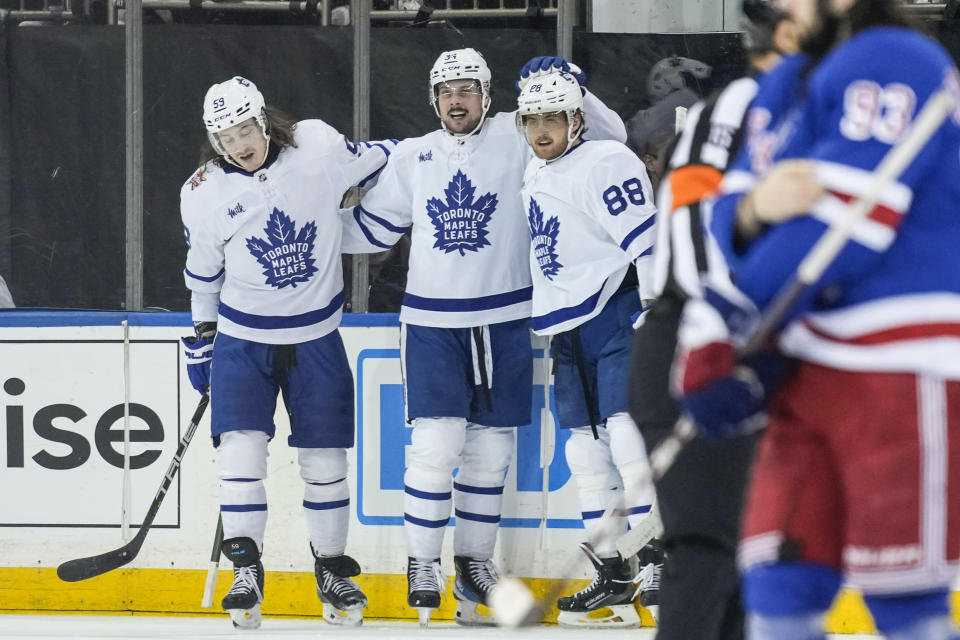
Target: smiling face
547,133
460,103
245,144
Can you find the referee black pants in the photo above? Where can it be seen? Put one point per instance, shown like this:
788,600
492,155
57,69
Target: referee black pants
701,496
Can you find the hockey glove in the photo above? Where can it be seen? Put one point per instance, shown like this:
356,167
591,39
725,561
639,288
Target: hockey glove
724,397
198,351
542,65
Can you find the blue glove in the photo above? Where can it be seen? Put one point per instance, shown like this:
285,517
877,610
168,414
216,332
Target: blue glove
542,65
724,397
198,351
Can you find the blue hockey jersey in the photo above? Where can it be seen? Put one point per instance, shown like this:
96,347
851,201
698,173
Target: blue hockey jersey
891,299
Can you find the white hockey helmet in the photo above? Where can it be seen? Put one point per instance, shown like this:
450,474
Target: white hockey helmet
461,64
554,92
229,103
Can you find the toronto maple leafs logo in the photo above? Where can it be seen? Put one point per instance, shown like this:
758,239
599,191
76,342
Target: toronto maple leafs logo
461,222
285,255
543,239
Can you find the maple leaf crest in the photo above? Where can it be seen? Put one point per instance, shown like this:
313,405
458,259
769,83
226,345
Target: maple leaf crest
543,240
461,221
285,255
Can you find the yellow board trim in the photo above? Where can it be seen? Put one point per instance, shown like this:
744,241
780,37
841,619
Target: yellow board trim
178,592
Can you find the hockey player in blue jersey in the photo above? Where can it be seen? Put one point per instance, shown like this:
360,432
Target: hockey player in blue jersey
263,232
465,329
856,476
590,213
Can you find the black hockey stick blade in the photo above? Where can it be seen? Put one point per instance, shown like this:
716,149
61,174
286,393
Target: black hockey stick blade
85,568
93,566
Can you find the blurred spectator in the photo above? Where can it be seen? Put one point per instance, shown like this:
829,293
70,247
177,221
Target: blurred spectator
671,83
6,300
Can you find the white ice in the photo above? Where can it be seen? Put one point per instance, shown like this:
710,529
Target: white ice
89,627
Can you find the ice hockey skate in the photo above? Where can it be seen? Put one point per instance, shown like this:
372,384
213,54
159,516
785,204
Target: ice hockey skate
243,600
425,585
605,602
651,559
343,602
472,587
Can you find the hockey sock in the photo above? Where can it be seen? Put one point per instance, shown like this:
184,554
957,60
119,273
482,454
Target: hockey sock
788,601
326,506
326,498
243,506
924,616
630,457
598,486
478,490
242,458
426,511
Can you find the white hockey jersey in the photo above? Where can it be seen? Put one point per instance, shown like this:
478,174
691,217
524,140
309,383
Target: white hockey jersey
470,245
590,214
263,255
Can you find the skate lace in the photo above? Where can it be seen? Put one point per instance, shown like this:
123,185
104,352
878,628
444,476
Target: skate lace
334,583
245,581
484,574
425,575
649,577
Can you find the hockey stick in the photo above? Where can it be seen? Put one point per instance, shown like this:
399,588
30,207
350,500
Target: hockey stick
517,606
214,567
84,568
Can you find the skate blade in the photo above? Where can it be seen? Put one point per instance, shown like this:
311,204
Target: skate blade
474,614
343,617
621,616
423,615
246,618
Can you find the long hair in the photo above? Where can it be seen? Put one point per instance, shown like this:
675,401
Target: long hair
280,128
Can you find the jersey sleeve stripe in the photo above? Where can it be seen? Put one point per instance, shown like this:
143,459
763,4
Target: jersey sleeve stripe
692,183
282,322
640,229
736,181
383,223
366,231
212,278
869,232
845,179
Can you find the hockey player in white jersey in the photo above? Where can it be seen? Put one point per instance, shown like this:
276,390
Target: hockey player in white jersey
590,212
263,232
465,339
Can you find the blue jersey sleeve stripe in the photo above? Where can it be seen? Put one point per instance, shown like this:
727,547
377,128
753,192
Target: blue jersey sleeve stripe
383,223
282,322
643,226
366,231
205,278
468,304
370,177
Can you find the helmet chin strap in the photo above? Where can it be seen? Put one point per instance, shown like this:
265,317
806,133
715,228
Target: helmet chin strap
572,136
266,152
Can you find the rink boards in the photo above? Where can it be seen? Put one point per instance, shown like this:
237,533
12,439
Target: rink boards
69,382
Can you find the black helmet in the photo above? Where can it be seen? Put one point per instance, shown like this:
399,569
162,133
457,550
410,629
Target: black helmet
760,22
